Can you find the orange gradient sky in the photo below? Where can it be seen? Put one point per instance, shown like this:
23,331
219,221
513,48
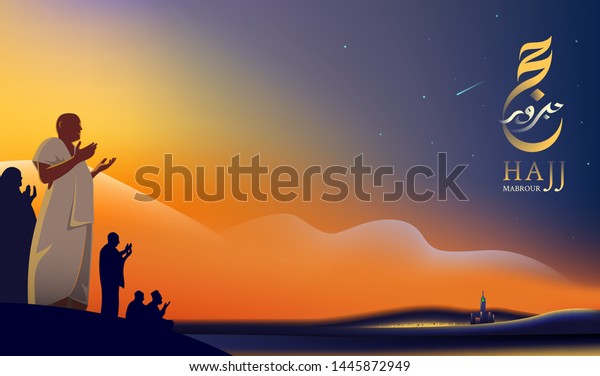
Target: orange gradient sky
147,81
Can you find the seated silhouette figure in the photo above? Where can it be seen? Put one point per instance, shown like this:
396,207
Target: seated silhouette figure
154,315
17,223
136,309
112,264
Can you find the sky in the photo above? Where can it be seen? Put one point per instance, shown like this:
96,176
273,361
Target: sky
317,83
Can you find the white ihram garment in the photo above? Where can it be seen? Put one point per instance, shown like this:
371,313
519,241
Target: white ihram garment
60,257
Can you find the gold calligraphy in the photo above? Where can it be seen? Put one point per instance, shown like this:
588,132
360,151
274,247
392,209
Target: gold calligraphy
531,62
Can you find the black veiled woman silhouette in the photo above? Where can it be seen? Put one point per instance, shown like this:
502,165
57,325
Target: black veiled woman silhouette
17,222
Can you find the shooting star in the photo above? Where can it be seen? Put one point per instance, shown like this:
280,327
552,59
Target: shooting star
469,88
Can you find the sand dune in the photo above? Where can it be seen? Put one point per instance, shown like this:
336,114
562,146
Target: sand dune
280,267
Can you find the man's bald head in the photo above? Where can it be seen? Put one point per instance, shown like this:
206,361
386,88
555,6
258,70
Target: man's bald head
68,127
113,239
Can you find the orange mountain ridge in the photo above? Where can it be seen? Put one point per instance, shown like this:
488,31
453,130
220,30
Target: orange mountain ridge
280,267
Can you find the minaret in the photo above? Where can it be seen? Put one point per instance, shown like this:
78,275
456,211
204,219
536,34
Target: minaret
482,309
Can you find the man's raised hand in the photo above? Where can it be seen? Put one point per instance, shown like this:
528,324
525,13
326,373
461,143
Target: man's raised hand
103,165
85,153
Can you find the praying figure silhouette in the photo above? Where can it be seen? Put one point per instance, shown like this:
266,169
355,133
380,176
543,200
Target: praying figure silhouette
112,264
156,315
136,308
17,223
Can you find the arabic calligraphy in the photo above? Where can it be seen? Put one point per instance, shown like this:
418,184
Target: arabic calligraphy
525,120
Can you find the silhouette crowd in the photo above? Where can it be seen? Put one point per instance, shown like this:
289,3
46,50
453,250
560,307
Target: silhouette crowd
18,223
148,314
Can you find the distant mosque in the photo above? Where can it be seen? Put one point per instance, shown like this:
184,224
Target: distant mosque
483,316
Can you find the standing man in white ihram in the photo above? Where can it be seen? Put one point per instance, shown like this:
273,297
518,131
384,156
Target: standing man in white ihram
60,257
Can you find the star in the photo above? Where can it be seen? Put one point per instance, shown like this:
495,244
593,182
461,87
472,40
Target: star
423,97
472,155
345,46
431,142
497,16
588,163
381,134
576,41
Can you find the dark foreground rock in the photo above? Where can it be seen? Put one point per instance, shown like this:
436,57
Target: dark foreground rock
41,330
